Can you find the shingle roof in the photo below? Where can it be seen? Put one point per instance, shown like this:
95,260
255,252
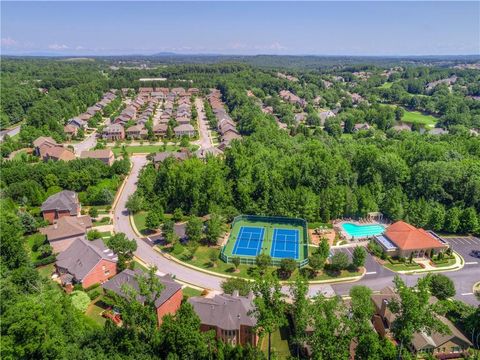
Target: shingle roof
162,156
42,139
97,154
67,226
64,200
83,255
129,277
227,312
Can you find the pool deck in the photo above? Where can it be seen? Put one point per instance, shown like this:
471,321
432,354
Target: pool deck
344,235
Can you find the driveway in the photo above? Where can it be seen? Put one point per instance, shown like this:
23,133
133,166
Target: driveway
10,132
376,277
89,142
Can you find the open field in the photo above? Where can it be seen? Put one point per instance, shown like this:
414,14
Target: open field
416,117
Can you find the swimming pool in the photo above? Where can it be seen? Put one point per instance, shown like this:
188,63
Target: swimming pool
361,231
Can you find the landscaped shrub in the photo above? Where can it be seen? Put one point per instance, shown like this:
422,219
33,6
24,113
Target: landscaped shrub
177,249
94,286
94,294
230,285
80,300
45,261
93,235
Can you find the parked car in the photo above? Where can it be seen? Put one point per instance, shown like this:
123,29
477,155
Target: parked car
475,253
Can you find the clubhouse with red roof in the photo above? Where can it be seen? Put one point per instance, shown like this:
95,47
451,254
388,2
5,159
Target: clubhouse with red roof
403,240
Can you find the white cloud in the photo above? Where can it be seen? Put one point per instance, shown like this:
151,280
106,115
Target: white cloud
8,42
58,46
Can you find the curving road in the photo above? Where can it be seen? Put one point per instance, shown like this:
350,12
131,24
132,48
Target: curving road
10,132
376,278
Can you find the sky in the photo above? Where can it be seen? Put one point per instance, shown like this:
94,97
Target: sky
241,28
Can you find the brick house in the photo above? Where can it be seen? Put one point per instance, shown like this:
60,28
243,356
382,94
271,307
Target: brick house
56,153
114,132
64,203
184,130
228,316
402,239
86,263
43,142
169,300
66,230
136,132
104,155
444,346
160,129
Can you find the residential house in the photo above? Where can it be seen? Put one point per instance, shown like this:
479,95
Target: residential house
229,316
402,127
160,157
136,132
160,129
43,141
77,122
443,346
230,135
361,126
184,130
324,115
104,155
66,230
114,132
182,120
86,263
167,302
63,203
211,151
70,131
404,240
56,153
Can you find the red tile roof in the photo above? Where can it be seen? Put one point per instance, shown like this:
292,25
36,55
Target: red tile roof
408,237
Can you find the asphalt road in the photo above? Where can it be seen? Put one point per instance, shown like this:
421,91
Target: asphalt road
205,141
89,142
376,277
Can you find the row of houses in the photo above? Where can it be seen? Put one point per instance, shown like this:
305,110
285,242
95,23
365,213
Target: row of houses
225,124
156,103
80,122
47,149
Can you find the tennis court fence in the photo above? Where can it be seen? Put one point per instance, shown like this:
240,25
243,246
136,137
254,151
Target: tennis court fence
270,219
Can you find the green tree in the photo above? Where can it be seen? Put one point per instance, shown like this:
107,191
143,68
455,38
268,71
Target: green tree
300,311
177,215
359,256
413,312
93,212
213,256
194,229
135,203
235,283
441,286
469,221
339,261
121,245
263,261
214,229
80,300
287,267
152,221
236,262
269,307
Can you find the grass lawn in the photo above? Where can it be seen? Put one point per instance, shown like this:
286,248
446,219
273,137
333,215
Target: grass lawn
30,240
102,221
402,266
105,234
444,263
279,343
189,292
137,265
139,220
102,209
417,117
202,260
314,225
132,149
18,155
46,271
386,85
95,309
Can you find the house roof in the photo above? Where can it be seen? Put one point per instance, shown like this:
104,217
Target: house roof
114,128
57,152
408,237
225,311
230,135
161,156
202,153
64,200
184,127
129,277
97,154
83,255
43,139
67,226
69,129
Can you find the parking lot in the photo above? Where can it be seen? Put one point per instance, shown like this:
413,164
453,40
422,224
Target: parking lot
372,268
464,246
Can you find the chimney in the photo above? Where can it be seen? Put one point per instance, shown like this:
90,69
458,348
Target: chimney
384,307
235,293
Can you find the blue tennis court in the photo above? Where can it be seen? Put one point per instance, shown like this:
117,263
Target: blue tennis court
249,241
285,244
